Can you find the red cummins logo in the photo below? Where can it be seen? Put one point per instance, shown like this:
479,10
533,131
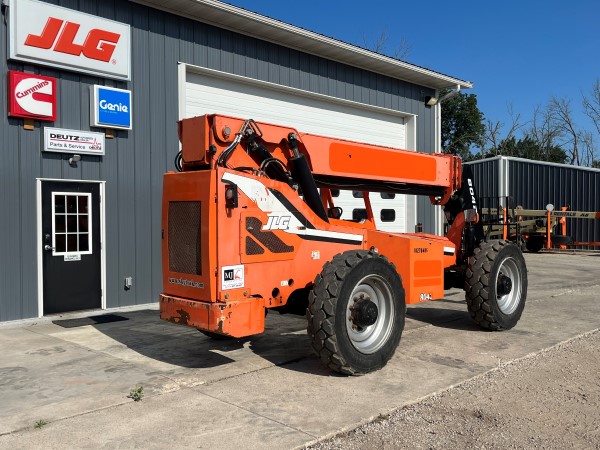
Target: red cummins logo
31,96
99,44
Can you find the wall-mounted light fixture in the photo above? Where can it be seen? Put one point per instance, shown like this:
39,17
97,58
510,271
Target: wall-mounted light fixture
431,101
73,160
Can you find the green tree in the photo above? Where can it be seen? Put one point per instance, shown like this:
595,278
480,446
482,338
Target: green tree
529,148
462,125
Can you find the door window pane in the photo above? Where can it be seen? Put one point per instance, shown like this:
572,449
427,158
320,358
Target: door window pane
82,207
59,223
71,204
60,245
84,245
59,204
72,242
71,223
83,223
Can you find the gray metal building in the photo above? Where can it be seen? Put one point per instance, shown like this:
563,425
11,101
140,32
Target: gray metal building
185,57
534,184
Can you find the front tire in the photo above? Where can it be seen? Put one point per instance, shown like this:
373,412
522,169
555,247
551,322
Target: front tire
496,285
356,312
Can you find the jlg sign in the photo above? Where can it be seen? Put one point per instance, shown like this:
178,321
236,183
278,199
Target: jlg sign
51,35
99,44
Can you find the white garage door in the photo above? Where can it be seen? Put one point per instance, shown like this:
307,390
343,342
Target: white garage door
205,93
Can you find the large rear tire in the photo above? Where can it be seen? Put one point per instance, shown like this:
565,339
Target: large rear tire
496,285
356,312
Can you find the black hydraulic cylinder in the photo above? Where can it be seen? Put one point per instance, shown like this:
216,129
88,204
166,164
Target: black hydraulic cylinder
303,176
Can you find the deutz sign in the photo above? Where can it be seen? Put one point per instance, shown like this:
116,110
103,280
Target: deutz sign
42,33
73,141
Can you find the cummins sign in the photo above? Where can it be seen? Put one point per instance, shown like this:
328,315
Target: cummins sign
110,107
42,33
31,96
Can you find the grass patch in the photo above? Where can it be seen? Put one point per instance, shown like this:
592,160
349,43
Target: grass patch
136,394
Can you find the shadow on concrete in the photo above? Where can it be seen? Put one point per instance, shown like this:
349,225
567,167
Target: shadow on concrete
144,333
438,316
91,320
284,341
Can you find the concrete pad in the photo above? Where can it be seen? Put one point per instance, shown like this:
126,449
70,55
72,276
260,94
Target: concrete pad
43,377
182,419
428,359
263,391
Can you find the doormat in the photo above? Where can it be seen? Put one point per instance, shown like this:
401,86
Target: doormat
92,320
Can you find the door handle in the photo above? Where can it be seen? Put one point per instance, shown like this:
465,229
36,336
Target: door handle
48,247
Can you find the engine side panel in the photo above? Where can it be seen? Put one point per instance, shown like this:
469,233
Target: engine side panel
420,259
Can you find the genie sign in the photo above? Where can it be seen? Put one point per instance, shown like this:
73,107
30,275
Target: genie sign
110,108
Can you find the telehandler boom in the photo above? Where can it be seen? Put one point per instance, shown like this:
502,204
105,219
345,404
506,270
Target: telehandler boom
249,224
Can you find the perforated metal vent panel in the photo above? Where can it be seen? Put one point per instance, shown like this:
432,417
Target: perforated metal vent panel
252,247
266,238
184,237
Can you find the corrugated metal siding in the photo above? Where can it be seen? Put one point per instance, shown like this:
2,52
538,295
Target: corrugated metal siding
135,160
533,185
486,177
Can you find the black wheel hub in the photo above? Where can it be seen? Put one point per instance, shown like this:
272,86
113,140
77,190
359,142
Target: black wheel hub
364,313
504,285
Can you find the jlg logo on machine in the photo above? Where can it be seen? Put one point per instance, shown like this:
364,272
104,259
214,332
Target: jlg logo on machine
277,222
60,37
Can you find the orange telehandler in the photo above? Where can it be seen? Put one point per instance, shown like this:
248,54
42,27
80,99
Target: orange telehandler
249,224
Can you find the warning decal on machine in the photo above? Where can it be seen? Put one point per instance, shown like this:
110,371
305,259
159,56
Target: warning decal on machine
232,277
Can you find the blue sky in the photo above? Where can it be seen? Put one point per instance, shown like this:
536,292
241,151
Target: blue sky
516,52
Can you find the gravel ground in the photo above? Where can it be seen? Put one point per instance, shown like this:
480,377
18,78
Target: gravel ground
548,400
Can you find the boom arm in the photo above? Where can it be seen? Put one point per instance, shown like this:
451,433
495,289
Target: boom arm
211,140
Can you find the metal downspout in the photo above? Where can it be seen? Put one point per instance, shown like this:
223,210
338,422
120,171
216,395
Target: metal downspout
439,217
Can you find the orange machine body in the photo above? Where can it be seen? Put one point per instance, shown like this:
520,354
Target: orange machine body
224,262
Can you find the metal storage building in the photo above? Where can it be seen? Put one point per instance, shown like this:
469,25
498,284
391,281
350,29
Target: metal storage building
534,184
68,224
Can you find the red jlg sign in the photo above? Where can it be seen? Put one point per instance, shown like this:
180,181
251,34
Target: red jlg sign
42,33
60,35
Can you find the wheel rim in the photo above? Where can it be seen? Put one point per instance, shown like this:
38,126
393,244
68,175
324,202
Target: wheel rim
371,338
508,301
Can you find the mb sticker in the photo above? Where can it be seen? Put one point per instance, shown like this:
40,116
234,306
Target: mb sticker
232,277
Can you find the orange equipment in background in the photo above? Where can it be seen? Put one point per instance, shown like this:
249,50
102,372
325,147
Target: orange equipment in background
250,224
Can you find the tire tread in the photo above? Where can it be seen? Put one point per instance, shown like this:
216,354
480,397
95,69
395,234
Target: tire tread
322,305
477,284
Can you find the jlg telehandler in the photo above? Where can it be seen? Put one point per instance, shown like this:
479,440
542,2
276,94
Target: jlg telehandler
249,224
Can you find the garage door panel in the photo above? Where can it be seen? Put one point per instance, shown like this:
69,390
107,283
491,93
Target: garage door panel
207,94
